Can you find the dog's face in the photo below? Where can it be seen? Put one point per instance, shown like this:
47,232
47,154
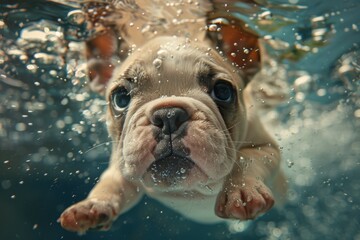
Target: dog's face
176,116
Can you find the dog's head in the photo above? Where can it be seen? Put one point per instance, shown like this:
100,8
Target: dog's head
176,115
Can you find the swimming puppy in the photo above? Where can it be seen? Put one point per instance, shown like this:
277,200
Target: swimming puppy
185,132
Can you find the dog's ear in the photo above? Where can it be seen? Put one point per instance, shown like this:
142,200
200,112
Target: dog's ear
100,54
240,46
101,49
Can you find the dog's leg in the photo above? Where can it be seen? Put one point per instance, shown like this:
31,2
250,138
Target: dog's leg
111,196
245,195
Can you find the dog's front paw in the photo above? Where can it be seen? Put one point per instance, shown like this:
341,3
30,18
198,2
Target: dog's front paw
244,201
89,214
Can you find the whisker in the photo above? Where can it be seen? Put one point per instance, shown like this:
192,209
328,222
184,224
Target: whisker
99,145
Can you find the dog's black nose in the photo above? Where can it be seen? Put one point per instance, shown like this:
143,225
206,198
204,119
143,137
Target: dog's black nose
169,119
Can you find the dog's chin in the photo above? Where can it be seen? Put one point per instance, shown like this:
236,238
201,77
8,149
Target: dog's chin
173,173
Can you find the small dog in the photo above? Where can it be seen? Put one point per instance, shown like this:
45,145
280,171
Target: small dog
186,133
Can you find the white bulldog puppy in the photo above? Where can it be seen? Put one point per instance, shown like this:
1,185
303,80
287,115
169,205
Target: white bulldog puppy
185,132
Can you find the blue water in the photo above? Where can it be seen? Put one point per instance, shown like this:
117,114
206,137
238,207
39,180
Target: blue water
53,146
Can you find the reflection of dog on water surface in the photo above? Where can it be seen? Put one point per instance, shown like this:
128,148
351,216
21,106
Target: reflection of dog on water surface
184,131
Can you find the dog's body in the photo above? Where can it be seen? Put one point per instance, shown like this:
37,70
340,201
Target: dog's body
186,133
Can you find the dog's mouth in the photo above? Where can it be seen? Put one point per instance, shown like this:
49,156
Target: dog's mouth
172,163
170,170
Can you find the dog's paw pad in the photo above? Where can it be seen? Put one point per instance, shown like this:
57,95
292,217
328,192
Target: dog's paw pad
245,201
88,214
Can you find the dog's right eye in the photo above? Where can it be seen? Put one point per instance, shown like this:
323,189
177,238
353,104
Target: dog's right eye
120,99
223,92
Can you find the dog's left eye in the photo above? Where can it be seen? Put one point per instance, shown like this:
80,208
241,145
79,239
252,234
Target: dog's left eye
120,98
223,92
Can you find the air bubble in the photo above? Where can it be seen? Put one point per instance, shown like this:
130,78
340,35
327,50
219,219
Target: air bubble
357,113
32,68
267,15
170,114
238,203
212,27
223,21
209,188
76,17
321,92
157,63
290,163
20,127
303,83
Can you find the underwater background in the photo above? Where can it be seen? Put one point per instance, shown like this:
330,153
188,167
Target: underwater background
54,145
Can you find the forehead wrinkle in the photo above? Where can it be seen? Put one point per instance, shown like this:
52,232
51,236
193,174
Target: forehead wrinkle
135,72
187,70
173,77
205,73
222,69
129,75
